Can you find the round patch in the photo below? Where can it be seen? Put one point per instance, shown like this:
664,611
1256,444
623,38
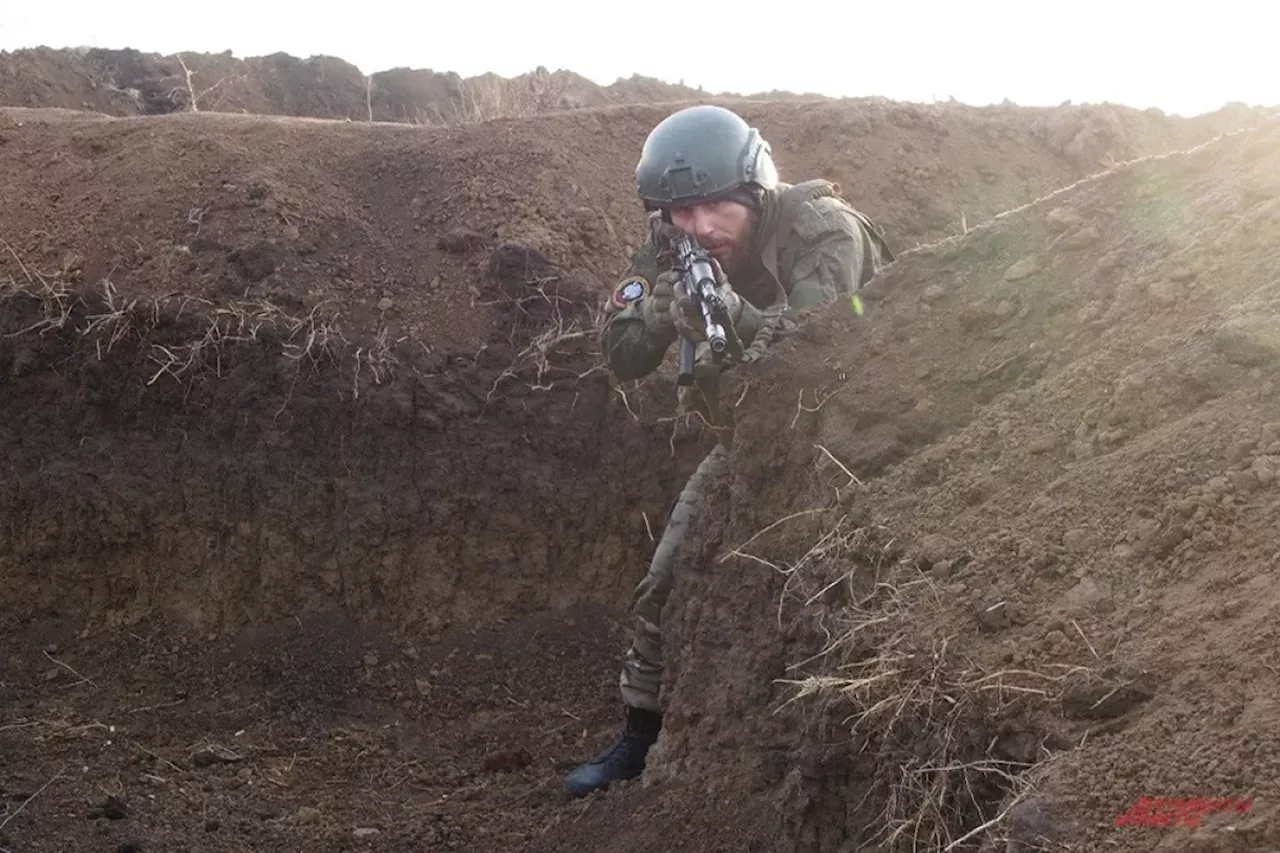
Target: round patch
630,290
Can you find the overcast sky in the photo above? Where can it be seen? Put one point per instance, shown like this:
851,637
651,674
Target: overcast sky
1032,52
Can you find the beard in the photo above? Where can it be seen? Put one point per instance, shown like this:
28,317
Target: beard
737,258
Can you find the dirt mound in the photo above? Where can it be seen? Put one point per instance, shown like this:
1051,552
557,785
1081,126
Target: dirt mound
128,82
1009,592
314,485
302,211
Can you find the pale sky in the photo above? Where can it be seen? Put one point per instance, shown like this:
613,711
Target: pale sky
1142,54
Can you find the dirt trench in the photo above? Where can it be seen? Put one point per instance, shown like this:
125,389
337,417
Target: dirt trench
279,576
287,472
244,363
1015,599
234,536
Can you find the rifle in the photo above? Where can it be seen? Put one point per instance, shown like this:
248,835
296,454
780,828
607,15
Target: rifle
694,264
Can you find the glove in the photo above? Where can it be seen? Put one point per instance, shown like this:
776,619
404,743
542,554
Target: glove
687,316
656,309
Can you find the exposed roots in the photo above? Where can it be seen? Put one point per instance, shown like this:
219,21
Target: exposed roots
535,363
947,741
183,337
377,361
111,324
550,333
687,424
177,338
312,337
51,292
936,727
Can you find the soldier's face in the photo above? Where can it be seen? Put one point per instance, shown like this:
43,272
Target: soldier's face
723,228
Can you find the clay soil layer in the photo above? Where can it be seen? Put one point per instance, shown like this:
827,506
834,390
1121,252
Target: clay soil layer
320,516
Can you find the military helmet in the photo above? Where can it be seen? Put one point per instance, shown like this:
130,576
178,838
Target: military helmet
701,152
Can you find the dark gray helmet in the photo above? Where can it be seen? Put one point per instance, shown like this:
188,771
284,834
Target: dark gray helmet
701,152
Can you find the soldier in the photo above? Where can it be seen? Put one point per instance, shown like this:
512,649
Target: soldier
705,172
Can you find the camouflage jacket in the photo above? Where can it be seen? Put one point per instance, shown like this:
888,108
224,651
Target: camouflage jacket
811,246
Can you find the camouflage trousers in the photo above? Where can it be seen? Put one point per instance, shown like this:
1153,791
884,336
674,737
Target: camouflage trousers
642,669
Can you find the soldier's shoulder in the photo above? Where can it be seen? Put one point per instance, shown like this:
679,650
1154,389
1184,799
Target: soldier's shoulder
823,217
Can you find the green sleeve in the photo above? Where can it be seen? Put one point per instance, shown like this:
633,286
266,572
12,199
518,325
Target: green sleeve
631,348
829,254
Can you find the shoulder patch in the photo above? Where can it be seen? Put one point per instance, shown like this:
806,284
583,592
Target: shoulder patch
630,290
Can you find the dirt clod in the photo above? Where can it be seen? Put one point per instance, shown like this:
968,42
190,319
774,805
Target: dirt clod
507,760
1249,341
461,240
112,808
260,260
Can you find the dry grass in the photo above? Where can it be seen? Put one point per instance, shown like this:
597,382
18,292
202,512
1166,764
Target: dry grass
184,337
313,337
893,685
535,361
566,330
51,291
491,97
377,361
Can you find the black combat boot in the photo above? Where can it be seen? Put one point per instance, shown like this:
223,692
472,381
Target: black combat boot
622,760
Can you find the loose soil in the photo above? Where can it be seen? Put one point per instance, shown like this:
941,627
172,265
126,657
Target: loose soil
321,519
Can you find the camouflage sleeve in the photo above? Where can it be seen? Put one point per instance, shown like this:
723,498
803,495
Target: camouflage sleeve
631,348
831,253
